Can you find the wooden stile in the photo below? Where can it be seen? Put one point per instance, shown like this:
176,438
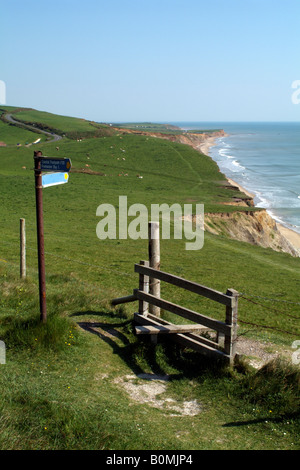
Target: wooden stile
186,335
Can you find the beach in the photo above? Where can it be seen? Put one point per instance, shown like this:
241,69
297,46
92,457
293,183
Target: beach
206,145
292,236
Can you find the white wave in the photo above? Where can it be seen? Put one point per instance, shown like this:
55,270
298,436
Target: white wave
283,221
262,202
223,152
236,163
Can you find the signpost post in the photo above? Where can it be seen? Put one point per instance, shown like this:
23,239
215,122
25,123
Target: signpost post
59,168
40,234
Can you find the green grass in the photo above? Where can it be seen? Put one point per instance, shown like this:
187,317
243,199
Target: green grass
12,135
72,127
16,135
62,393
160,128
150,127
58,387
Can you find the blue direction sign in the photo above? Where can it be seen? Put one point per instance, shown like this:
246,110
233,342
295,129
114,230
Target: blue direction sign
52,179
56,164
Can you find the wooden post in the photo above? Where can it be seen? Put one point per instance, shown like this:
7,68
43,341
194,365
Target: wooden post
22,249
231,319
154,262
143,286
40,234
123,300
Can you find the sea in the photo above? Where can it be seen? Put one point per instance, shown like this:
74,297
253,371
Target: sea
264,158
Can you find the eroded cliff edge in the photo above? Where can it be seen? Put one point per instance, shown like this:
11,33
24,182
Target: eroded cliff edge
255,227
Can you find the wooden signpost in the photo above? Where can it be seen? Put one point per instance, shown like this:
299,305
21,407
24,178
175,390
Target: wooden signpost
58,169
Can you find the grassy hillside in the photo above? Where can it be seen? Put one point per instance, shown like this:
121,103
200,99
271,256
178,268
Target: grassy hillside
159,128
149,127
12,135
73,128
65,386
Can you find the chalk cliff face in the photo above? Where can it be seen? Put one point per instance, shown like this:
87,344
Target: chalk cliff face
194,140
255,227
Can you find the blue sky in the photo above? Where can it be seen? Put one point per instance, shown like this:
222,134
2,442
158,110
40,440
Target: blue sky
167,60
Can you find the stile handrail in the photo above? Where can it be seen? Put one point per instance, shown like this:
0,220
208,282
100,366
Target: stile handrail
185,284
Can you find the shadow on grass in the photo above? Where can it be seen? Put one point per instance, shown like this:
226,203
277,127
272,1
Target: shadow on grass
164,359
119,335
266,419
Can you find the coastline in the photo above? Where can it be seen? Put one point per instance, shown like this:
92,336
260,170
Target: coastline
205,146
292,236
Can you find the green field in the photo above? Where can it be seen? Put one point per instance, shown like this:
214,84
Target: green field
72,127
149,127
14,135
159,128
62,386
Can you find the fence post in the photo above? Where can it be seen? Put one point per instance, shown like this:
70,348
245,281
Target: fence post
231,319
154,262
22,249
143,286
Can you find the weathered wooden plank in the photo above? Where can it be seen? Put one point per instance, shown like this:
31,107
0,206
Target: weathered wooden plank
185,284
231,319
123,300
166,329
192,341
153,320
199,346
185,313
144,286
